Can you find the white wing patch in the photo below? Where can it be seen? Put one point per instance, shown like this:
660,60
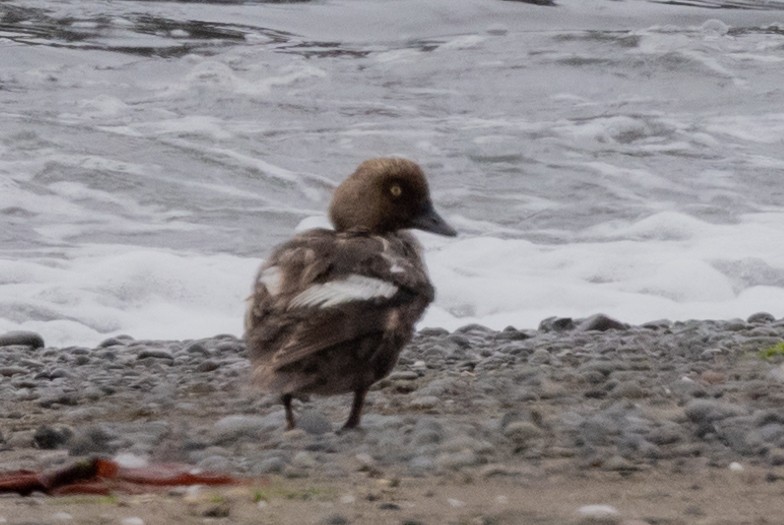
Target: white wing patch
272,279
353,288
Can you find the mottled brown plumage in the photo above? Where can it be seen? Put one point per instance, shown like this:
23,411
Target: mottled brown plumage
332,309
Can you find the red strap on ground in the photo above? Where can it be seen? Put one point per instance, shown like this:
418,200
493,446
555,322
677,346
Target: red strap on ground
104,476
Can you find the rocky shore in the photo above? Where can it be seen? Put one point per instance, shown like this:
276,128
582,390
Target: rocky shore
585,403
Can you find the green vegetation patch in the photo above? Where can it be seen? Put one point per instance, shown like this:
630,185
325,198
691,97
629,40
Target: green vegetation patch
773,352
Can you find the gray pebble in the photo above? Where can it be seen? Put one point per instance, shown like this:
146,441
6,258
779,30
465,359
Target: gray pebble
314,422
556,324
235,427
600,323
155,353
273,465
22,338
706,411
760,318
51,437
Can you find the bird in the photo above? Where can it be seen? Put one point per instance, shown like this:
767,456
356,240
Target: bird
331,309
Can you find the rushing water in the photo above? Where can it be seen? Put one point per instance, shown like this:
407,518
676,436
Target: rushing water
622,157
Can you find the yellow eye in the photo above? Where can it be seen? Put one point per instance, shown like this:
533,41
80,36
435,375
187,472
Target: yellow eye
396,190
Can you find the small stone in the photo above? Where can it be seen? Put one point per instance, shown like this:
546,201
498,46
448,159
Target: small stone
540,356
9,371
334,519
304,459
629,390
215,464
22,338
314,422
424,402
735,466
457,460
156,353
522,432
219,510
600,323
49,437
713,377
197,348
706,410
598,515
760,318
273,465
403,375
619,464
208,366
233,427
366,461
556,324
495,470
92,440
455,503
120,340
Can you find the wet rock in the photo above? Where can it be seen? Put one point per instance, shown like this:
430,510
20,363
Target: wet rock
760,318
51,437
155,353
707,411
314,422
22,338
458,459
600,323
120,340
97,439
598,515
235,427
556,324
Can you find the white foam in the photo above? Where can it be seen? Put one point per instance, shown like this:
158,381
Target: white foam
666,266
109,290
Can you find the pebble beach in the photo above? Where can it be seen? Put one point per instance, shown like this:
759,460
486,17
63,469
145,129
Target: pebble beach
592,403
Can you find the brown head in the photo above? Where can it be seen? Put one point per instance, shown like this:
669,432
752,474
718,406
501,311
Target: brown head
385,195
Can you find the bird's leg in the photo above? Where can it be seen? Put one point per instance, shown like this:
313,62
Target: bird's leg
286,399
356,408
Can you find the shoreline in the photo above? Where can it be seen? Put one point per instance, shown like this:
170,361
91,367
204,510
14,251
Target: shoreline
575,400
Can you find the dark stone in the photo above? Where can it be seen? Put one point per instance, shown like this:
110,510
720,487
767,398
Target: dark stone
511,334
155,353
707,411
433,332
536,2
49,437
556,324
22,338
314,422
197,348
473,327
600,323
120,340
92,440
760,318
221,510
207,366
335,519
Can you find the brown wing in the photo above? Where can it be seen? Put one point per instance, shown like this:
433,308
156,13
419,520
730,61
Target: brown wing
322,289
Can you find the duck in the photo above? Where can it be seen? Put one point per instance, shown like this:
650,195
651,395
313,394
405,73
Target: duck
331,309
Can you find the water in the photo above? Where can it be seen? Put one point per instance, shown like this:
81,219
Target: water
597,156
